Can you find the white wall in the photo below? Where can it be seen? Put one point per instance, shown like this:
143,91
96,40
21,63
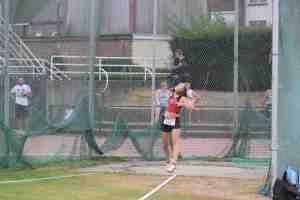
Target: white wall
259,12
142,46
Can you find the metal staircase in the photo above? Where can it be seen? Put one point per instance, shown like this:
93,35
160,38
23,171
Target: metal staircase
22,61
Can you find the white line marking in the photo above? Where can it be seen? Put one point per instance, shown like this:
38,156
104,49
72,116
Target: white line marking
157,188
44,179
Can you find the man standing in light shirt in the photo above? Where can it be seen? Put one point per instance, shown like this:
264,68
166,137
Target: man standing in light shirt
161,100
21,92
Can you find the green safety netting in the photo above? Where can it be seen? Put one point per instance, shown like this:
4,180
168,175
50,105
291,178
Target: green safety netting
122,121
145,141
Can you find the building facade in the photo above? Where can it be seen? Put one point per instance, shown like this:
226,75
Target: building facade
252,12
225,9
62,26
115,16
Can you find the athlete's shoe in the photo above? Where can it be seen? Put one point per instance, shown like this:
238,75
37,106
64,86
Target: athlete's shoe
171,167
167,165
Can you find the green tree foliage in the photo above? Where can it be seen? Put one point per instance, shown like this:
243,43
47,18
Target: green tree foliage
209,49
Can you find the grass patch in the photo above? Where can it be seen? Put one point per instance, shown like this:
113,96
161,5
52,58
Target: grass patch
55,168
100,186
108,186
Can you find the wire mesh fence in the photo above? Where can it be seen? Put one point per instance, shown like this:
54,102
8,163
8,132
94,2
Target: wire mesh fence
58,122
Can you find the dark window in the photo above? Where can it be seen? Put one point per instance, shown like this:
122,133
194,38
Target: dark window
258,23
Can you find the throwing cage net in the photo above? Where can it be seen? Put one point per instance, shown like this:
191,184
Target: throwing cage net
58,126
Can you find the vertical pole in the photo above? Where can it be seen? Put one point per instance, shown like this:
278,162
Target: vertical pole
153,75
51,68
6,63
275,89
236,67
100,68
58,17
92,62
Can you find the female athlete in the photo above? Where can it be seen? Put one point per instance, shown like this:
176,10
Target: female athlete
171,124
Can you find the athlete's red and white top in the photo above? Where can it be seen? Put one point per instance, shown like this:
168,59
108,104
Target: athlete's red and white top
173,106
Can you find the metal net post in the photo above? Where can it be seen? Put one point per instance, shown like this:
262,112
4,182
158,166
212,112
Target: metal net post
288,86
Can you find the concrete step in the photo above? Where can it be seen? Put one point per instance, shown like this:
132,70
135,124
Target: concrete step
193,126
200,134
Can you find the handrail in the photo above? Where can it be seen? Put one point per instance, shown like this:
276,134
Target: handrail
27,52
112,57
31,54
13,44
100,60
27,55
56,70
106,82
13,49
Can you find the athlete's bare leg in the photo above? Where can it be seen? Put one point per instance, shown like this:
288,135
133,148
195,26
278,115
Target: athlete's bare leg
175,144
166,145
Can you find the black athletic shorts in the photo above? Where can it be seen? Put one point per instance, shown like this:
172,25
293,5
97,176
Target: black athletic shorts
168,128
161,114
21,111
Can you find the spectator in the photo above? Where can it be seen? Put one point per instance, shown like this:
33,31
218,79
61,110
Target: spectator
193,96
178,70
179,61
161,97
21,92
68,112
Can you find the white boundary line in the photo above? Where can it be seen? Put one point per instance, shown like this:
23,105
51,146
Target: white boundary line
44,179
157,188
146,196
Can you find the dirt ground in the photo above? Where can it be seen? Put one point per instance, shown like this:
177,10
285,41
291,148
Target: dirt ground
205,180
218,188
